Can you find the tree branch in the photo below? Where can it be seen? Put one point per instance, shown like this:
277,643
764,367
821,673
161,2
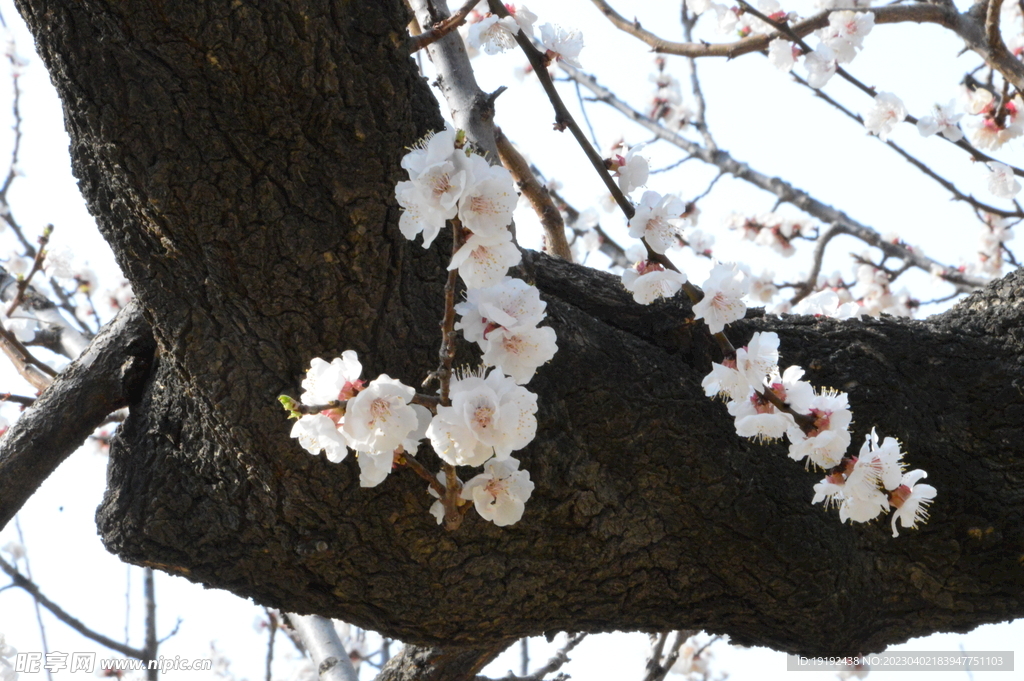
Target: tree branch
28,585
325,648
100,381
537,194
779,187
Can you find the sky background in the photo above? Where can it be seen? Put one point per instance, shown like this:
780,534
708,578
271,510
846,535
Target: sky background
755,112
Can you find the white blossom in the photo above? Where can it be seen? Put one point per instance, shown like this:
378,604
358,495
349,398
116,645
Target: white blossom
758,358
512,303
781,54
520,351
631,169
1001,181
845,33
492,34
727,381
562,44
820,65
942,120
657,220
57,263
911,501
723,297
887,111
487,202
500,493
826,304
484,261
338,380
826,443
488,417
648,281
316,432
379,418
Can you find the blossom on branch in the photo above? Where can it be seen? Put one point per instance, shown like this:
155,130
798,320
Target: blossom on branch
648,281
488,417
487,202
1001,181
845,33
821,65
782,54
882,117
723,297
631,169
562,44
316,433
825,443
657,220
484,260
911,501
500,493
942,120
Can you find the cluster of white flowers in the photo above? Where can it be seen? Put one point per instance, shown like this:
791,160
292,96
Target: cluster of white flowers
732,19
994,233
994,121
770,404
873,482
839,43
494,35
667,103
502,320
1001,181
375,420
884,114
7,652
488,32
489,413
771,229
445,182
631,169
875,294
648,281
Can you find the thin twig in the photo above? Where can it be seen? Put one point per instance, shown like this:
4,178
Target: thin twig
35,601
441,28
272,626
807,287
783,190
450,500
149,589
537,194
28,585
37,265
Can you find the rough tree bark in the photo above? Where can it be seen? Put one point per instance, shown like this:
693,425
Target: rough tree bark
241,160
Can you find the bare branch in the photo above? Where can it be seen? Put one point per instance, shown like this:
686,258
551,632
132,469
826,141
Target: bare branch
992,34
553,665
472,110
442,28
324,646
780,188
28,585
537,194
807,287
98,382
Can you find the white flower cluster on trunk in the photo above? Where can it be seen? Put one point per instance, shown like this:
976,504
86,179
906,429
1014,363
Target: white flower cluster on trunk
488,414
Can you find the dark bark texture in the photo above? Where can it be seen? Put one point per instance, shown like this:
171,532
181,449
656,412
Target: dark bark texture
241,159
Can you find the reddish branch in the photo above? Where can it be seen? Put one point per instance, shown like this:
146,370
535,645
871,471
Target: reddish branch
442,28
537,194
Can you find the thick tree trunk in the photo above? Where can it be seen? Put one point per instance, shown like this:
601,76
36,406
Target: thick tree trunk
241,160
